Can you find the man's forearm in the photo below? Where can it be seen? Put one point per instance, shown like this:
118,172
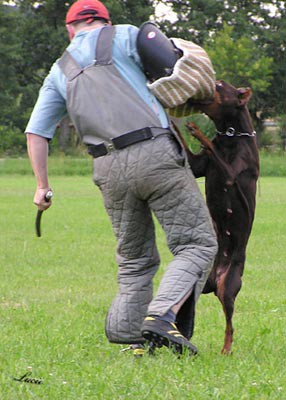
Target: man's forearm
38,154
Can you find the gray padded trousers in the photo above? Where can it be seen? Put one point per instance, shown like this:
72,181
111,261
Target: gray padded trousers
145,178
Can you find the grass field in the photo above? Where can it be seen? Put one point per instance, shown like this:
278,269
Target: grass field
55,292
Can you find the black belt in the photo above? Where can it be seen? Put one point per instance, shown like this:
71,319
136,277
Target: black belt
122,141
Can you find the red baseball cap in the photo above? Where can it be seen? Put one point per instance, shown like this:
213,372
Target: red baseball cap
85,9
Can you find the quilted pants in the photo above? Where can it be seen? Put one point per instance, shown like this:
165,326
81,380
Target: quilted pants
152,177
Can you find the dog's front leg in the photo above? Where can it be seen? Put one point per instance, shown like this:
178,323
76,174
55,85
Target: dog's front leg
225,168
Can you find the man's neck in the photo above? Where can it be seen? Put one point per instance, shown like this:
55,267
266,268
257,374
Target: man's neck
91,27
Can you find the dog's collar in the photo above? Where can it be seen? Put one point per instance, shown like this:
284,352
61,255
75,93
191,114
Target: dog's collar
232,132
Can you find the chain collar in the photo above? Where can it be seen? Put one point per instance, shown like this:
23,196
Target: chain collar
232,132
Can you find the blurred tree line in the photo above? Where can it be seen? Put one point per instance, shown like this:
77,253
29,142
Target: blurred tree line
245,41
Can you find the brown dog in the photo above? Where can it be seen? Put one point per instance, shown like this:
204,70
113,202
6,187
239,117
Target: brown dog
230,164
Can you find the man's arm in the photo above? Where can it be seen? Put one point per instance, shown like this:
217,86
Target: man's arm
38,154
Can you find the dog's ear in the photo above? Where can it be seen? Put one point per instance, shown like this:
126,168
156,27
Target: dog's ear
244,95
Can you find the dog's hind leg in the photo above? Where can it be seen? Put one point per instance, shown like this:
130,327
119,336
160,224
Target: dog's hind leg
228,285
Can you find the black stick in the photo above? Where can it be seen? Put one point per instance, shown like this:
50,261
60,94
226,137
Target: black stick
48,197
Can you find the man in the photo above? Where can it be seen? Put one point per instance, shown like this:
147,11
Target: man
140,169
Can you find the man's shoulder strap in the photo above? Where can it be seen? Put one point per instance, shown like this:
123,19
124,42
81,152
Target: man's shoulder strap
103,51
103,54
69,66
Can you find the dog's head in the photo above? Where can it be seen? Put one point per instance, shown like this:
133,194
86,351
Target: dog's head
227,102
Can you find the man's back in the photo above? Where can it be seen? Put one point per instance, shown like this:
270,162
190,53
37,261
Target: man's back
119,109
51,104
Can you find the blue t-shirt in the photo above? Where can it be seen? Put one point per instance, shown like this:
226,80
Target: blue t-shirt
50,107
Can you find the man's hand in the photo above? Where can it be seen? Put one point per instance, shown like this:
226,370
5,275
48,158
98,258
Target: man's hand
42,198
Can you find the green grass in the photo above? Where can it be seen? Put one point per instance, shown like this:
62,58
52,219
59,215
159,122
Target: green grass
60,165
272,164
56,290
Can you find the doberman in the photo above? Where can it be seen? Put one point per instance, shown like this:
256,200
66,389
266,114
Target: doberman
230,164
